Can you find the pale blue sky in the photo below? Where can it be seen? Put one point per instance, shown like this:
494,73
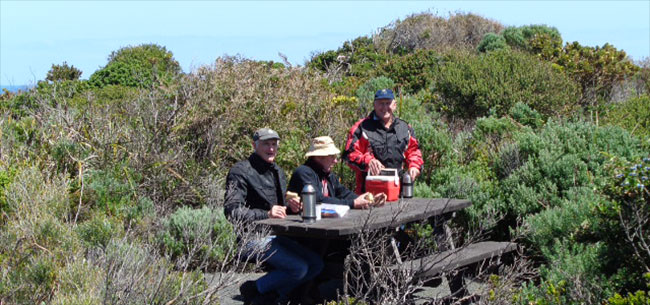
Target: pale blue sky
36,34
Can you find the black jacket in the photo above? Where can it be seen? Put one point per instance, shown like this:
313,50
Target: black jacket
253,186
311,173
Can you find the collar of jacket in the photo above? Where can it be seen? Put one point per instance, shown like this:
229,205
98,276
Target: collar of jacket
259,163
377,120
317,168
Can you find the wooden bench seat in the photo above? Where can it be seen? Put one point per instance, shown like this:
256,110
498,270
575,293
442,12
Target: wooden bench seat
438,263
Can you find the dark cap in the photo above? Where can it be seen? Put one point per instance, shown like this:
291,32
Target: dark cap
265,134
384,94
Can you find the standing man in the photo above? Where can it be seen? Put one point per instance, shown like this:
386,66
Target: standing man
382,140
255,190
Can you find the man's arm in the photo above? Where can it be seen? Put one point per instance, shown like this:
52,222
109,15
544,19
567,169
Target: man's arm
356,154
341,191
304,175
413,155
235,200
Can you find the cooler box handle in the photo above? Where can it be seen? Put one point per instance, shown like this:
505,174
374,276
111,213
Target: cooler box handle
393,177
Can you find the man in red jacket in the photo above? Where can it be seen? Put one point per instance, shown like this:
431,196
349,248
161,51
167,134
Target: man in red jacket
382,140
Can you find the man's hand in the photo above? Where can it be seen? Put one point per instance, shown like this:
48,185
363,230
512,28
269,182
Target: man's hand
375,167
294,204
414,173
362,202
293,201
278,211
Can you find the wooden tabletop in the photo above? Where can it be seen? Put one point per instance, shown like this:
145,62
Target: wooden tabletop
393,214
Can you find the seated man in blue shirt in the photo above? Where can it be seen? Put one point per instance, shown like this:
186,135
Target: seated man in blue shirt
317,171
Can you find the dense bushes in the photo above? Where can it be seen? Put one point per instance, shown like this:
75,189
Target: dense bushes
426,31
471,86
122,175
632,114
139,66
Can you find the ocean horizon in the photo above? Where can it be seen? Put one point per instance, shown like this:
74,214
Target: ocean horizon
14,88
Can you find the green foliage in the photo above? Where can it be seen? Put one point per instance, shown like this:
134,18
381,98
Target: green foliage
632,114
412,72
596,70
492,42
427,31
638,298
526,116
110,191
98,231
63,72
533,38
139,66
472,86
366,93
199,233
572,279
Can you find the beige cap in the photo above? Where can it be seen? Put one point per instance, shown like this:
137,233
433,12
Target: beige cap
322,146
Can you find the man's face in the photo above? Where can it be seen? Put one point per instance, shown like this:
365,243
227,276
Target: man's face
267,149
384,108
327,162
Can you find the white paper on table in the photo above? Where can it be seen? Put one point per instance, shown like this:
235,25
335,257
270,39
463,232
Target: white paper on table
332,210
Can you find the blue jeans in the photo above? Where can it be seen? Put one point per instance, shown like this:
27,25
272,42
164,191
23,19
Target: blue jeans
292,264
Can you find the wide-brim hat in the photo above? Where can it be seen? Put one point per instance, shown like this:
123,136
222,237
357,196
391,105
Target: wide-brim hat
322,146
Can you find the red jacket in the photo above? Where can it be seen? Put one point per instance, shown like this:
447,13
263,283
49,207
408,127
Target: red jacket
369,139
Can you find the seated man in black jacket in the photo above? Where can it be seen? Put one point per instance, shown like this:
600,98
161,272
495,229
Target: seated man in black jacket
255,190
321,158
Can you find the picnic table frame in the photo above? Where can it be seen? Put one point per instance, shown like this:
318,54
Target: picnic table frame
391,215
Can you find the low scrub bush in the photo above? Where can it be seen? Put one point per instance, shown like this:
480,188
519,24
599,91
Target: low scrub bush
98,231
197,233
632,114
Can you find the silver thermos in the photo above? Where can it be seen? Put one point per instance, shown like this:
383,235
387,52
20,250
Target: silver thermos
407,186
308,196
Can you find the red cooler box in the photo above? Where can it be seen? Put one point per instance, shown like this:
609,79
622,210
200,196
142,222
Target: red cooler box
386,182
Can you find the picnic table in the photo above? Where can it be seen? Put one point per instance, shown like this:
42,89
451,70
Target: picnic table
389,217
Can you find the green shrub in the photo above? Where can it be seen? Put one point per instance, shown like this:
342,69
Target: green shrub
492,42
63,72
595,69
110,191
98,231
526,116
533,38
632,114
366,93
573,278
200,233
472,86
412,72
137,66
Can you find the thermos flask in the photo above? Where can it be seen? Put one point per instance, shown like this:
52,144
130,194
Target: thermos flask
308,196
407,186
